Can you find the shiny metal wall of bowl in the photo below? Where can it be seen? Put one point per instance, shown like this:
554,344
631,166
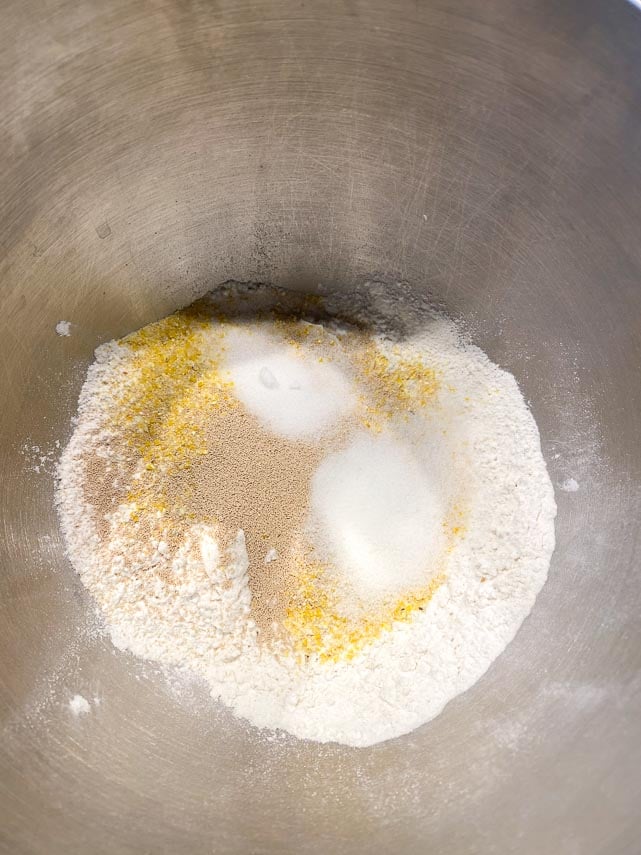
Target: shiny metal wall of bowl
486,153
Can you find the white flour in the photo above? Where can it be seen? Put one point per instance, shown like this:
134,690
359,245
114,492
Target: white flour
79,705
570,485
479,445
63,328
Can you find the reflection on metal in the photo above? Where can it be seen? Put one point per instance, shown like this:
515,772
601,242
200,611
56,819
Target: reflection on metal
486,152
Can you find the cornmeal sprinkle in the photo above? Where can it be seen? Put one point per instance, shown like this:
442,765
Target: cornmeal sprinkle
319,629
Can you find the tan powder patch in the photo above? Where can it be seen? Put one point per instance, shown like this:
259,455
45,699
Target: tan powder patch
257,481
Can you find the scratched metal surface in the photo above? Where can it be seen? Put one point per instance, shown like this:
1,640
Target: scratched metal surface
488,152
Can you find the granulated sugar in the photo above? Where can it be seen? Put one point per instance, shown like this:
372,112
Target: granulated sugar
338,526
380,510
297,393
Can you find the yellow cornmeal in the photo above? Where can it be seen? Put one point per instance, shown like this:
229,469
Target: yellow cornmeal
178,383
317,628
173,380
318,625
395,386
160,414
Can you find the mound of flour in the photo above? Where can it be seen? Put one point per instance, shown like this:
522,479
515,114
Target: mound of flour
477,450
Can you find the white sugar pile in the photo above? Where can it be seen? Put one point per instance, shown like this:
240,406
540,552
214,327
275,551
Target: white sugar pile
294,394
379,509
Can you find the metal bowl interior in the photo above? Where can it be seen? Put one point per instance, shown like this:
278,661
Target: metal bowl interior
485,153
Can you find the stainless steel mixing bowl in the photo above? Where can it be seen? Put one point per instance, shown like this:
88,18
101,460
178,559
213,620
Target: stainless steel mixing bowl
489,152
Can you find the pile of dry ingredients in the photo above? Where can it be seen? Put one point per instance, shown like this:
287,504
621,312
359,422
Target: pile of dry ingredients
337,526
